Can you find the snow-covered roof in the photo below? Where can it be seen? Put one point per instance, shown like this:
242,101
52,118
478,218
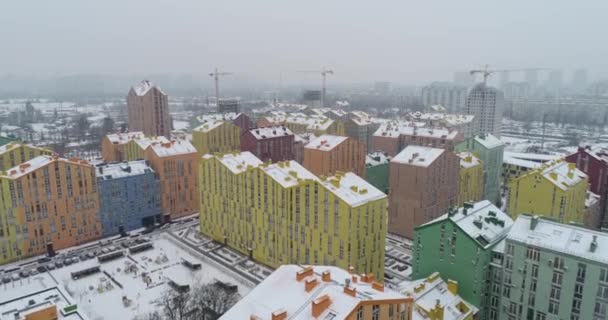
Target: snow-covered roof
282,292
122,138
352,189
562,174
14,145
143,87
270,132
209,125
481,221
228,116
536,157
468,159
325,142
313,122
145,142
397,128
489,141
53,297
173,148
122,169
591,199
447,119
376,158
520,162
418,155
37,163
430,291
237,162
288,173
562,238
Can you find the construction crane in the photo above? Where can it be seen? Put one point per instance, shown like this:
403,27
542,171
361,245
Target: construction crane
324,72
216,76
487,72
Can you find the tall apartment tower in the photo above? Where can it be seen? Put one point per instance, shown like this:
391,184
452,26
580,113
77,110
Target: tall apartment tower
148,110
453,97
486,104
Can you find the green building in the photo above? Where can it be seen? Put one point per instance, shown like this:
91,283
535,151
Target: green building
376,170
491,151
459,245
553,271
5,140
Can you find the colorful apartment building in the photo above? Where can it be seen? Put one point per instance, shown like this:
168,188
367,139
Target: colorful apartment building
393,136
274,143
129,196
471,178
176,166
552,271
376,170
241,120
127,146
459,245
555,190
148,108
423,185
216,136
463,123
321,292
437,299
362,126
15,153
490,150
512,168
47,203
595,165
329,154
281,213
299,123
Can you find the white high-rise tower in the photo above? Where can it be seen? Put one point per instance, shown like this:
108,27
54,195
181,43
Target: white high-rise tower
486,104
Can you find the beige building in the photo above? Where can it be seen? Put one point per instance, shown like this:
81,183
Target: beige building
148,108
423,183
328,154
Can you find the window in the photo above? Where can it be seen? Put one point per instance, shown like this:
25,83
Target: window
558,263
360,313
553,307
375,312
603,275
557,278
602,292
581,272
533,254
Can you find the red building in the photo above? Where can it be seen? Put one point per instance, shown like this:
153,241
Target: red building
273,143
242,121
595,165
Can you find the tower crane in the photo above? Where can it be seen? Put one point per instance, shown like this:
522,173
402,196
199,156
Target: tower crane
216,76
488,72
324,72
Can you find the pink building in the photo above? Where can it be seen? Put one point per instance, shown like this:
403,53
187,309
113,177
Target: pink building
423,185
392,137
148,110
595,165
273,143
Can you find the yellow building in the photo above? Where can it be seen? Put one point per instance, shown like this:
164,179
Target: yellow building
471,178
128,146
300,123
15,153
555,190
216,136
321,292
281,213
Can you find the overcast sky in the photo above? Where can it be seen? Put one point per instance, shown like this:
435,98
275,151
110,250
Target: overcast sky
402,41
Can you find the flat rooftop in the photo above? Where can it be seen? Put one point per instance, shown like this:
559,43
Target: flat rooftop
237,162
468,159
122,169
270,132
325,142
418,156
352,189
13,304
122,138
173,148
288,173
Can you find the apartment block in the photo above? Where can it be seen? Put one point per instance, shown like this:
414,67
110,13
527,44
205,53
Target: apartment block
129,196
471,178
423,185
274,143
393,136
299,122
362,126
216,136
553,271
459,245
321,292
127,146
175,164
490,150
329,154
15,153
148,108
376,170
486,104
241,120
48,203
281,213
594,163
555,190
452,96
437,299
462,123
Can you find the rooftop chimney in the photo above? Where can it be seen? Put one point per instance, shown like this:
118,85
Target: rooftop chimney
533,222
593,245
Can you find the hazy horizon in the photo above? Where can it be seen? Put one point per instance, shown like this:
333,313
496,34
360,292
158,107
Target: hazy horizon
408,43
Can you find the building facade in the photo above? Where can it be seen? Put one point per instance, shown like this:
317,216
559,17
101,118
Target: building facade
148,108
453,97
486,104
362,127
129,196
328,154
490,151
48,203
459,245
595,166
556,190
423,185
393,136
274,143
13,154
471,178
376,170
216,136
281,213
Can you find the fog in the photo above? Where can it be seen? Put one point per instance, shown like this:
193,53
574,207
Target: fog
401,41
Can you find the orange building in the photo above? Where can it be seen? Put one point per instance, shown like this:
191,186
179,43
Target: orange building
47,203
328,154
148,108
176,164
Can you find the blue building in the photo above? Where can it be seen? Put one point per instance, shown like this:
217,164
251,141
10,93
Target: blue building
129,196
